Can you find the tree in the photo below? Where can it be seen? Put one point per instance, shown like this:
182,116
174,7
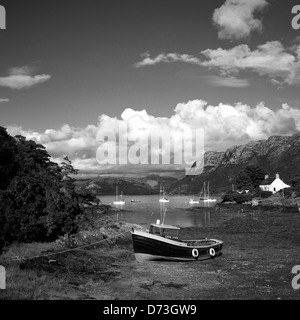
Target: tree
8,165
243,181
68,181
36,203
240,198
65,212
256,174
228,196
250,178
295,184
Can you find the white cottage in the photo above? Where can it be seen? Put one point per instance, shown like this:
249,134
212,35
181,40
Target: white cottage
273,185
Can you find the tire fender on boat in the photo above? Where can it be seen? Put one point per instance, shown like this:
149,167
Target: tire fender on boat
195,253
212,252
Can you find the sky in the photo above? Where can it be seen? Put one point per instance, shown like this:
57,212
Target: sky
71,71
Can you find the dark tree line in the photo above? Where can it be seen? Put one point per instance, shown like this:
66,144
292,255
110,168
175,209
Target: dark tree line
248,179
38,200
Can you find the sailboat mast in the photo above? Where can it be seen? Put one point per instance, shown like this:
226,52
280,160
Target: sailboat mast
208,190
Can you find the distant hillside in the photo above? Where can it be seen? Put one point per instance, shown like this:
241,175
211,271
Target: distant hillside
276,154
129,186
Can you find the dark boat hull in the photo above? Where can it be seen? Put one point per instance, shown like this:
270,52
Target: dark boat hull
151,247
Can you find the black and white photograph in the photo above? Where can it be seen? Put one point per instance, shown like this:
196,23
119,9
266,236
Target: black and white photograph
149,152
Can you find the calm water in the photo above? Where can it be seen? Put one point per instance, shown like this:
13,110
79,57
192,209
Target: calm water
149,209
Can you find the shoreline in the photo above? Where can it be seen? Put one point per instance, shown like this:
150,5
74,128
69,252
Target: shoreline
260,249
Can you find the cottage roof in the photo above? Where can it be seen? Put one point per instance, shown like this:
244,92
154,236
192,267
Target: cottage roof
267,182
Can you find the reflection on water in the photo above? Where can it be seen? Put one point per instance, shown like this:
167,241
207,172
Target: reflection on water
147,209
119,206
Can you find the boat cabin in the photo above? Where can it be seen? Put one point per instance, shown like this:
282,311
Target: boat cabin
164,230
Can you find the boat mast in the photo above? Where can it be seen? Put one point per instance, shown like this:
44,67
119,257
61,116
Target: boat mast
160,190
208,190
117,192
164,216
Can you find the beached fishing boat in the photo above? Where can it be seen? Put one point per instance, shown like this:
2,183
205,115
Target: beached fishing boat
119,198
162,242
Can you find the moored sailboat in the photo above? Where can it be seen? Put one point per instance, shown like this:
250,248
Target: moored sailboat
119,198
204,194
193,201
207,196
162,195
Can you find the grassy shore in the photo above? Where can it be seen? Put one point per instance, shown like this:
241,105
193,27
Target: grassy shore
261,246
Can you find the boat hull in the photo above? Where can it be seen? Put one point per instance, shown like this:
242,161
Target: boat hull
119,202
149,247
194,202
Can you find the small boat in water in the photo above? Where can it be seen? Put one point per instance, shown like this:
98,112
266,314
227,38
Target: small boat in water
162,242
119,198
206,197
210,200
193,201
162,197
133,200
164,200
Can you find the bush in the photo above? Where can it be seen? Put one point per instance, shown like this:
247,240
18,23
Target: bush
228,196
232,196
244,197
287,193
295,184
266,194
256,192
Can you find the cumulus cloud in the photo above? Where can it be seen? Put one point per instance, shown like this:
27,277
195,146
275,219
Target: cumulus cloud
235,18
223,125
22,77
3,100
281,65
166,58
270,59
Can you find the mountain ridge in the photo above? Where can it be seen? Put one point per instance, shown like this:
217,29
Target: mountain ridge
276,154
149,184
